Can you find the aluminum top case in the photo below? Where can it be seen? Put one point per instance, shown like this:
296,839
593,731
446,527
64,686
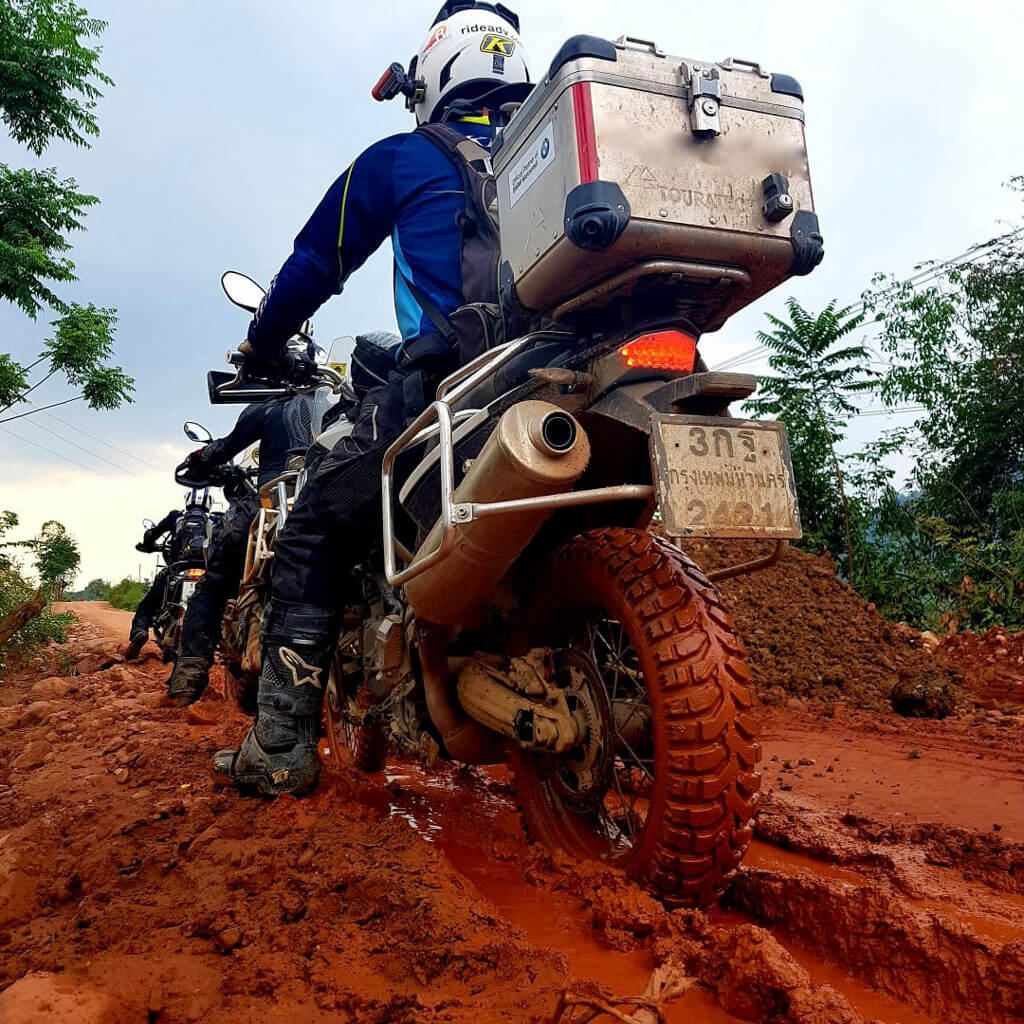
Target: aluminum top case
631,176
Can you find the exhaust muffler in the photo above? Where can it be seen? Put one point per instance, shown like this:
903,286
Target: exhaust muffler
535,450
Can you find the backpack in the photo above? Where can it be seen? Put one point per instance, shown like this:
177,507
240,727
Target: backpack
374,357
190,537
477,324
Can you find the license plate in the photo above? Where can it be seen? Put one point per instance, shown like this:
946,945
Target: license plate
718,477
188,588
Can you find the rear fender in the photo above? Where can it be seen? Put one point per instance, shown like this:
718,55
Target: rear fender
704,394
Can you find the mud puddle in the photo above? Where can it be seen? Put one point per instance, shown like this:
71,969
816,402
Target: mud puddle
471,816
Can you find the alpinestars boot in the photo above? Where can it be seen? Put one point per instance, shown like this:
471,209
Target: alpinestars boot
188,680
279,753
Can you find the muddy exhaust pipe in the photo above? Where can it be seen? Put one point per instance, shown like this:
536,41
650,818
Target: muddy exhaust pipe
535,450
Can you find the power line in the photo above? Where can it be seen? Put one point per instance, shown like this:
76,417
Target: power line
893,412
122,451
74,444
50,451
923,277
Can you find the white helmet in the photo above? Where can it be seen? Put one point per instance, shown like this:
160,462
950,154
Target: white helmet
472,52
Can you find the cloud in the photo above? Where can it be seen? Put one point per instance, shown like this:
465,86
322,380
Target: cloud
104,514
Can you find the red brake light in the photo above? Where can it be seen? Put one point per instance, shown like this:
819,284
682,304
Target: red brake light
662,350
195,574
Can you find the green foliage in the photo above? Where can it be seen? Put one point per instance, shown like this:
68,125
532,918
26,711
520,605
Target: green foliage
49,81
954,548
82,341
13,379
14,591
94,590
56,556
126,594
951,550
958,351
816,380
49,85
36,213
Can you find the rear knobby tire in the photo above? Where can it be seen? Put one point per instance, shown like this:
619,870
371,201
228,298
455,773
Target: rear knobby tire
363,744
241,687
700,805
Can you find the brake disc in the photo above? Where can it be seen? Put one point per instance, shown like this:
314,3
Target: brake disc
582,775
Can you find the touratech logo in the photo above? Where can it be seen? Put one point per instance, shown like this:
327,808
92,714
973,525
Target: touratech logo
498,44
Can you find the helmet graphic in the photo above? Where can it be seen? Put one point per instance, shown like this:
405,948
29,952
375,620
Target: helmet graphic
472,52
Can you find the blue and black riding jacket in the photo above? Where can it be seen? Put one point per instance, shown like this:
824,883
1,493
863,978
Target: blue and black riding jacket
403,187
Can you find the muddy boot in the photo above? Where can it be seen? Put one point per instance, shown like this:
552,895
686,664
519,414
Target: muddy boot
279,753
189,679
136,641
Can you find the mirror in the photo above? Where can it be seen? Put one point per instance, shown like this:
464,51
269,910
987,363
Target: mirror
242,290
148,524
197,432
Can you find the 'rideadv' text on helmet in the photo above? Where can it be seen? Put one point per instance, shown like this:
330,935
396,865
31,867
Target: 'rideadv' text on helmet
473,52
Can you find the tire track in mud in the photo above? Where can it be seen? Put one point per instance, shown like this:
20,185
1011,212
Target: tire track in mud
893,933
134,889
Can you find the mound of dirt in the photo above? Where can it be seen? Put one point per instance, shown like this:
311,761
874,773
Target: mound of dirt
991,663
808,634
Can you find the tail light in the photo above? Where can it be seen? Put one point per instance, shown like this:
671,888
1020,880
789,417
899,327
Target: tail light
662,350
194,574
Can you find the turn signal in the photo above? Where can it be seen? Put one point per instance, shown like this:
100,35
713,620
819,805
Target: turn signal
194,574
663,350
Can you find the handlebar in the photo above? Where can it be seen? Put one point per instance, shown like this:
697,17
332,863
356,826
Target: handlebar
224,475
240,388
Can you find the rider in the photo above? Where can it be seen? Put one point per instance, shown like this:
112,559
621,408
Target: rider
282,427
415,188
150,603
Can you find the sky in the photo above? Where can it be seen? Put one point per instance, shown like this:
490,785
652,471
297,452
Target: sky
229,120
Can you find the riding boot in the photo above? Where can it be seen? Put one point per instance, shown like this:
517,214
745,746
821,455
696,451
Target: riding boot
279,753
191,674
136,641
189,679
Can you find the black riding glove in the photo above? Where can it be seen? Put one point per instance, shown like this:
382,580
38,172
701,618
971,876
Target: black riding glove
197,459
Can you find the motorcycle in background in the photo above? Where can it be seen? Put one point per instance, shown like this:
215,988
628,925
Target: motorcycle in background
183,573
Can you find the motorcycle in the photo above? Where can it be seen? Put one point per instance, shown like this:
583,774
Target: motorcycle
526,605
183,572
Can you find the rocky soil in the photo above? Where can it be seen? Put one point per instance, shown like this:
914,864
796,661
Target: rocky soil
886,881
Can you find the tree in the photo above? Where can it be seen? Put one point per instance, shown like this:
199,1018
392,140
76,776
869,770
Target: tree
57,557
955,545
957,349
812,394
49,85
24,620
49,81
36,212
81,344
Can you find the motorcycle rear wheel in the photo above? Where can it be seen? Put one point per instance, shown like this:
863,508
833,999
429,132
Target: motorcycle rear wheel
364,742
664,783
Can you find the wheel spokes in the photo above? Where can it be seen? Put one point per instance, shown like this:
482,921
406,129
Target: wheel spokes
619,816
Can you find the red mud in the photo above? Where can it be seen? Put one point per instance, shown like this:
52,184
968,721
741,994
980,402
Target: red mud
131,889
992,664
808,634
